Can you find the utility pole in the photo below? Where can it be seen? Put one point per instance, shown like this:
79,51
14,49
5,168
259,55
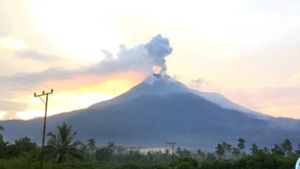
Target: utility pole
172,144
45,121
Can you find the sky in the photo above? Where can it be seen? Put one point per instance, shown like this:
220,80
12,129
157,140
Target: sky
247,50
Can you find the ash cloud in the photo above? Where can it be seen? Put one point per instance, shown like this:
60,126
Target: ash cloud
159,48
140,58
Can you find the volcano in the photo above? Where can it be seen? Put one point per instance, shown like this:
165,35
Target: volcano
161,109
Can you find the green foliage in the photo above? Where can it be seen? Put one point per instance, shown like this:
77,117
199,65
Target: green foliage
277,150
24,145
129,166
186,163
1,129
254,149
91,145
24,154
241,143
61,145
218,164
286,146
105,153
220,151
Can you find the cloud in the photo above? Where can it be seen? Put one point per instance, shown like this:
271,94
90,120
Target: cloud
107,54
296,76
11,106
140,58
197,83
35,55
10,116
273,100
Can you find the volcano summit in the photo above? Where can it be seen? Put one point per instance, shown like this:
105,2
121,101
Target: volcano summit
161,109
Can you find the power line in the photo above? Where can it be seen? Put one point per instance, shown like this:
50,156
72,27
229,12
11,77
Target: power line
45,121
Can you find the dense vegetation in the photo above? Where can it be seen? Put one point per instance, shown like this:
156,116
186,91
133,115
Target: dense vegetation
63,152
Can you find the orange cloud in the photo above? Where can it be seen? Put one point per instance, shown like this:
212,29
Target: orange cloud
80,92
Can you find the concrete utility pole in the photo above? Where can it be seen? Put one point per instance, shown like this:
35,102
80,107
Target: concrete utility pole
172,144
45,121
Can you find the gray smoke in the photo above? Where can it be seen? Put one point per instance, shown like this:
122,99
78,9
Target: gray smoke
140,58
159,48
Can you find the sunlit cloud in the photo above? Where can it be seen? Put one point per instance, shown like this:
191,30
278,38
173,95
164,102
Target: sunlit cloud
246,50
12,43
132,62
296,76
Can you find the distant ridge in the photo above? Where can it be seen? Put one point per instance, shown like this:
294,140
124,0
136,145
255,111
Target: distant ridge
161,109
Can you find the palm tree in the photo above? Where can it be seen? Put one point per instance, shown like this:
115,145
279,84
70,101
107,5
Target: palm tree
90,149
227,148
287,147
62,146
254,149
236,152
241,144
220,151
91,145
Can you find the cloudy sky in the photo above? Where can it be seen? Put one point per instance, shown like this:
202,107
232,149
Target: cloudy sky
247,50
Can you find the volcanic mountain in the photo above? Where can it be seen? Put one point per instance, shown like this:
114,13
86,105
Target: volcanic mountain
161,109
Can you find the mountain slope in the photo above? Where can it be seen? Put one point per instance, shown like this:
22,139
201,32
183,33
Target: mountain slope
161,109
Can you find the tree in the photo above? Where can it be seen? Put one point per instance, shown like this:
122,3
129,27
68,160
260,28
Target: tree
61,145
1,129
210,156
186,163
287,147
3,144
200,154
298,150
236,152
277,150
105,153
241,144
111,146
220,151
185,153
227,148
254,149
3,148
90,149
91,145
25,145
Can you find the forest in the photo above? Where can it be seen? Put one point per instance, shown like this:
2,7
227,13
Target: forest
62,151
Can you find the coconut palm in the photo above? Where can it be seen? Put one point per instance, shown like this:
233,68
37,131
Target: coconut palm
241,144
220,151
61,145
287,146
91,145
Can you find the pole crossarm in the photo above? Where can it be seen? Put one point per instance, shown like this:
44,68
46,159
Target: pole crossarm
43,93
